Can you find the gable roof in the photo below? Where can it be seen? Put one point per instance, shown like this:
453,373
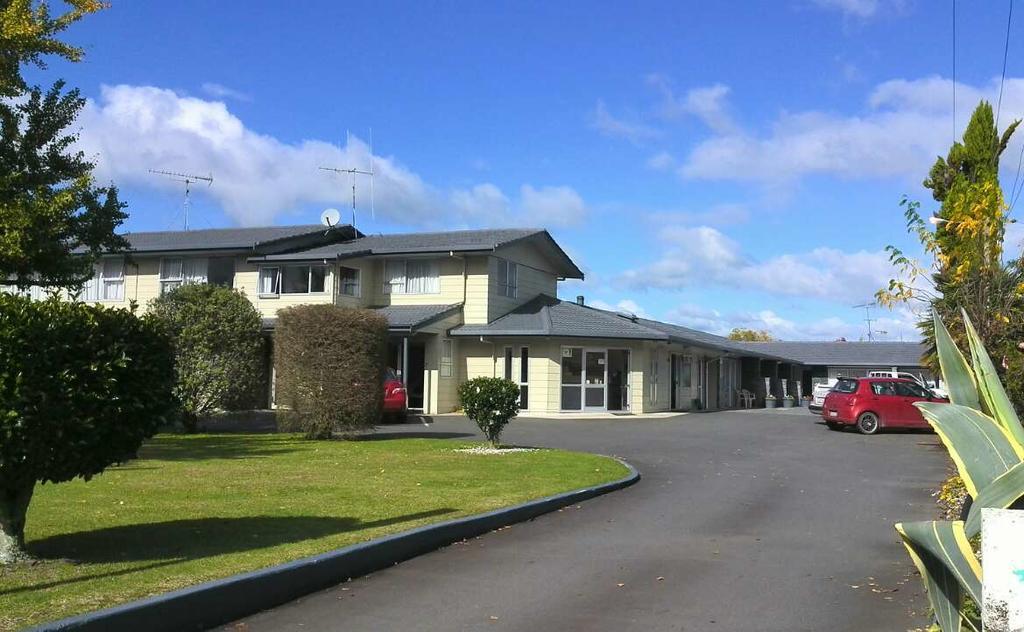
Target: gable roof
456,241
412,317
875,355
222,238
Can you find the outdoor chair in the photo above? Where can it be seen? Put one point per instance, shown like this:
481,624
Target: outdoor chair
746,398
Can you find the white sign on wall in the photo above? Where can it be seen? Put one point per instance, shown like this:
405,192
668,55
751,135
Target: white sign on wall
1002,550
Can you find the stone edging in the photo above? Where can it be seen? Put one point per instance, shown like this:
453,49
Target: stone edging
221,601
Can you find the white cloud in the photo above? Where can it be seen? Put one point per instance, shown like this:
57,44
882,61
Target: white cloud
220,91
703,256
891,326
258,177
603,121
626,305
724,214
905,125
854,8
661,161
707,103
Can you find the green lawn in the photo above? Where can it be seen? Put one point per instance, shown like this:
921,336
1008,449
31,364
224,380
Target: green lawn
201,507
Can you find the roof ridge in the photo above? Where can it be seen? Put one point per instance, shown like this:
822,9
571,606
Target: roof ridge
222,228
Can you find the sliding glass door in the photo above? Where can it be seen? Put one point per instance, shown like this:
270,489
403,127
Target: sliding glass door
584,379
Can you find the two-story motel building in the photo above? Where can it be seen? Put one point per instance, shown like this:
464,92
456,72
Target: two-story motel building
462,304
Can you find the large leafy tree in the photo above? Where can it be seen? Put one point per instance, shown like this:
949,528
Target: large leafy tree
750,335
967,267
54,220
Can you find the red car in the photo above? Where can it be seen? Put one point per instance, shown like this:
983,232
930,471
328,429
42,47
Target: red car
396,403
870,403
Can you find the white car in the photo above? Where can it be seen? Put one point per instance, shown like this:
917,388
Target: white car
818,393
939,392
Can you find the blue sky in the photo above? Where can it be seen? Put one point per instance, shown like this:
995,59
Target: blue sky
713,164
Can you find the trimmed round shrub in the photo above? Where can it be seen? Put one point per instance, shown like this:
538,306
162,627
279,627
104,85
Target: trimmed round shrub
329,366
218,348
80,388
491,402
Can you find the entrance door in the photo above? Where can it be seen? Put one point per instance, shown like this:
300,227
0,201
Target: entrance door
675,360
618,379
595,364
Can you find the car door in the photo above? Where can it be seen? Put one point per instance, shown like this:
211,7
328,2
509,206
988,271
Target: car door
910,392
886,403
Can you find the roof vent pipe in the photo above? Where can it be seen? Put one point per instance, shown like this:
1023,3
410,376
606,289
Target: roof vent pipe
579,299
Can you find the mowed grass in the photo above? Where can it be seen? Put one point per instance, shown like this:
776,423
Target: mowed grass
202,507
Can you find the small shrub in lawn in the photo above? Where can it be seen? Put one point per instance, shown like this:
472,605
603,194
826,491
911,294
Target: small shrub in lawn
218,347
491,402
80,388
329,363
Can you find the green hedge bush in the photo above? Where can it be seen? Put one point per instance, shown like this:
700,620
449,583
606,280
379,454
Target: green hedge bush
218,348
80,388
329,366
491,402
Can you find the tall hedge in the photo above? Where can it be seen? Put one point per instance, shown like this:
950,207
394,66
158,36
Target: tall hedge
329,367
80,388
218,347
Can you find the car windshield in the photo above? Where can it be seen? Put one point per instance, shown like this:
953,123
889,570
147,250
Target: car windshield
845,385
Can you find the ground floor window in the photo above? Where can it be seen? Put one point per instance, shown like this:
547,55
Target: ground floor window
594,379
572,378
446,358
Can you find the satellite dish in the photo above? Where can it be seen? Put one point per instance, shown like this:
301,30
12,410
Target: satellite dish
330,217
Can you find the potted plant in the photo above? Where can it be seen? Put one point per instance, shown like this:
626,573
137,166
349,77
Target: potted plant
787,401
769,401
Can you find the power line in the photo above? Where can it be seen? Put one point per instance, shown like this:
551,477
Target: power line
1002,79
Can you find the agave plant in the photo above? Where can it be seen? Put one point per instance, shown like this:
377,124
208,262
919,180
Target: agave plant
985,439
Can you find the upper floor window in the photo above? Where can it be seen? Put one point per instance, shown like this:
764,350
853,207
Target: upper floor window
107,282
176,271
507,278
302,279
348,281
411,276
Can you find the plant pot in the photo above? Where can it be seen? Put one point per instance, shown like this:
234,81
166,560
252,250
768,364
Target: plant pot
787,402
769,402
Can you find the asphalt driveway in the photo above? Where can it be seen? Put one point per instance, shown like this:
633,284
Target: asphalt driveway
744,521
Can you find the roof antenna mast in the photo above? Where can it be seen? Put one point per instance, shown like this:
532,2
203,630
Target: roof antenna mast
867,318
352,173
188,179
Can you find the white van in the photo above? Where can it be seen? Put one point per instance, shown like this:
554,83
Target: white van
931,386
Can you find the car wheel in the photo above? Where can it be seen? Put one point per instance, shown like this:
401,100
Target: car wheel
867,423
834,425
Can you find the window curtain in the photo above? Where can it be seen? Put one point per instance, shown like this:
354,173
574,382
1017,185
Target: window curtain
194,270
394,277
422,277
268,280
113,279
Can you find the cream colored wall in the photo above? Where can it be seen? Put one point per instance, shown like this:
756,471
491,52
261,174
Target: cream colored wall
477,290
534,275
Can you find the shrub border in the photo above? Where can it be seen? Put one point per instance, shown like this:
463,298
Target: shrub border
221,601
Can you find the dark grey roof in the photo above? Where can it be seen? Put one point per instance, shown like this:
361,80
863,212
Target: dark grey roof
484,240
412,317
880,355
548,316
685,335
214,238
402,317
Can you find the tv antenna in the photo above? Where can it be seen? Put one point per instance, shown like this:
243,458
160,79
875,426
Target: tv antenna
352,173
867,318
188,179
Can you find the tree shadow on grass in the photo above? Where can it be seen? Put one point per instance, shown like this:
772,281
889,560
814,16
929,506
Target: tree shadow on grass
165,543
216,447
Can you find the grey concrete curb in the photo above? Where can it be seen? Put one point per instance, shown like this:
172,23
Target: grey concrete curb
224,600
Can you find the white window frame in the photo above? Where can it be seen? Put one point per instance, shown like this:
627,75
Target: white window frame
178,280
447,362
279,279
524,367
357,285
116,282
400,285
653,391
508,287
